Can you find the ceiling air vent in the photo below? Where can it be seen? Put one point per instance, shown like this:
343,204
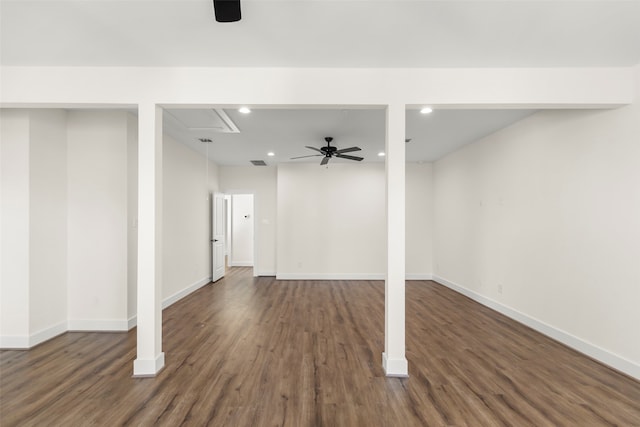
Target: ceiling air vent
258,163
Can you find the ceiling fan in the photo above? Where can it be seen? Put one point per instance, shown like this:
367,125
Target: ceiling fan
330,151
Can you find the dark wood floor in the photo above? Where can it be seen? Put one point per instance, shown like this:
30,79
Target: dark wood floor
261,352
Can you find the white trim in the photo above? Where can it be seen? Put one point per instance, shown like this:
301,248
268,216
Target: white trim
398,368
14,342
602,355
324,276
240,264
90,325
47,333
344,276
132,322
98,325
419,277
267,273
148,367
186,291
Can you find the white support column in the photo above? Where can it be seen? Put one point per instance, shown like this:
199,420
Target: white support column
150,358
393,358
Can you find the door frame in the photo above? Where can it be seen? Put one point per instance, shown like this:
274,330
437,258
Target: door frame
213,235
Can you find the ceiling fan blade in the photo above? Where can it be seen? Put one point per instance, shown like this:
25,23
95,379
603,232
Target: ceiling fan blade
315,149
324,161
342,156
347,150
312,155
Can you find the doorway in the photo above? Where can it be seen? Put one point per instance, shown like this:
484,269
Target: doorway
240,211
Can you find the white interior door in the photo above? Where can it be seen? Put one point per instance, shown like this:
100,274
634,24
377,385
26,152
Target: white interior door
217,242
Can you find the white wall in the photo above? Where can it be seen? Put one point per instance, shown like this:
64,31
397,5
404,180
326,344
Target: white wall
242,219
331,221
69,222
188,178
419,220
48,222
98,220
132,216
14,271
549,210
261,182
34,220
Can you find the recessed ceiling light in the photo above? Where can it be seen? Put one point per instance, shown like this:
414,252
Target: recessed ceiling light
244,110
426,110
271,154
381,154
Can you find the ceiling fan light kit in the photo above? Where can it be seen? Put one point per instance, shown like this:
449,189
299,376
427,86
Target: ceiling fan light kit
329,151
227,10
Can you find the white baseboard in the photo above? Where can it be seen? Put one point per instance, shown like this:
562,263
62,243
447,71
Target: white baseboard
26,342
90,325
48,333
240,264
604,356
419,277
14,342
395,367
186,291
132,322
97,325
266,273
345,276
324,276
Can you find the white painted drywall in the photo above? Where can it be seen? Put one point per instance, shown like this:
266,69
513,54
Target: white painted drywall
331,221
227,230
186,217
48,221
14,240
132,216
261,182
242,218
532,87
419,220
97,219
544,218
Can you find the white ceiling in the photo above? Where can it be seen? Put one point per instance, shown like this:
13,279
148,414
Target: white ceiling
322,33
326,33
286,132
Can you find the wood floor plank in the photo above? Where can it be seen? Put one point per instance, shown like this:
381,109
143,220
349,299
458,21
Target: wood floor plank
251,351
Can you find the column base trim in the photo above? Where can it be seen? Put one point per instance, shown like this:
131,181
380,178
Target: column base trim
398,368
143,368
